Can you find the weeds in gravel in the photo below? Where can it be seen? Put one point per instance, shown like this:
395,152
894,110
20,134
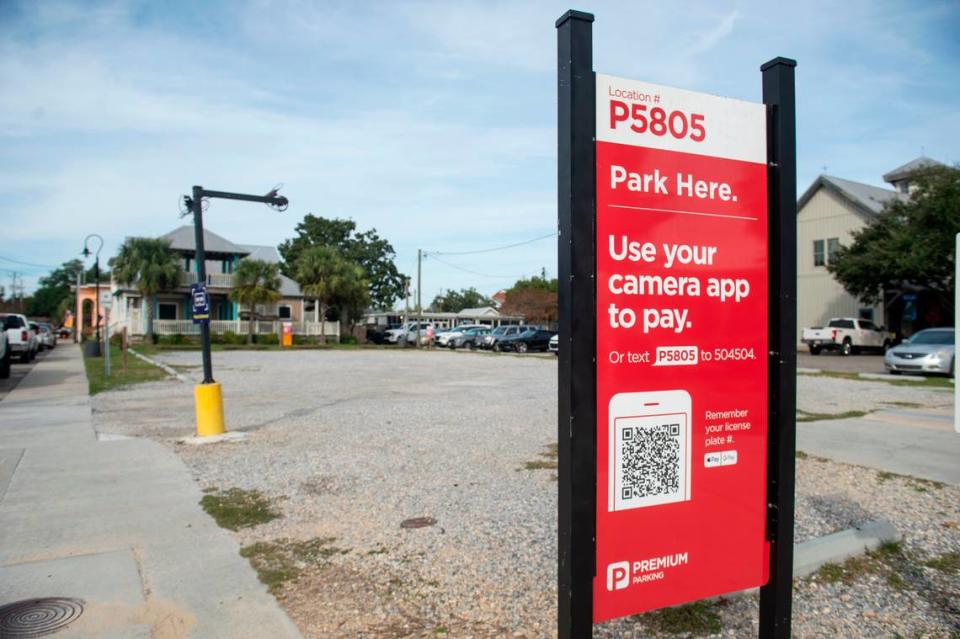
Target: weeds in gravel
882,561
237,508
699,618
283,560
801,455
548,463
919,484
947,562
804,416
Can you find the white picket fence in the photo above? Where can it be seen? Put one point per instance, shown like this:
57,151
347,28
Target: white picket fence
240,327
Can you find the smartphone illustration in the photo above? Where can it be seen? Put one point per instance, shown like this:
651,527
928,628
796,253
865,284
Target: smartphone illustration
649,449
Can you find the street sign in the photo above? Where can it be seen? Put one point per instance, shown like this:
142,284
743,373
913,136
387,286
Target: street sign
681,346
677,368
200,302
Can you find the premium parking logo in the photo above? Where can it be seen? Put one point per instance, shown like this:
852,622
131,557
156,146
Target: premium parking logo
618,575
621,574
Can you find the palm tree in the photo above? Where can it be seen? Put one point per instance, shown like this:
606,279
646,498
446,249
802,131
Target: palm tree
151,266
255,282
326,275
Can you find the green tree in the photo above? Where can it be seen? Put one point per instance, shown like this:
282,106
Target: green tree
149,265
326,275
534,298
255,282
54,291
374,254
456,301
910,245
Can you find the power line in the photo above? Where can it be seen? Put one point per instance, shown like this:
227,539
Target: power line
8,259
471,272
496,248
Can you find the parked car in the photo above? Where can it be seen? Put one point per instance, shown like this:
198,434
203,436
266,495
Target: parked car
378,335
426,332
469,337
534,339
23,341
501,331
848,335
393,335
444,337
554,346
929,351
4,355
48,335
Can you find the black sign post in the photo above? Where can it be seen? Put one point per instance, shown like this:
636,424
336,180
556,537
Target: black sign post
577,442
577,313
780,97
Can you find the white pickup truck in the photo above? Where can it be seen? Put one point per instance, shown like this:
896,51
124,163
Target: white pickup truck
22,340
848,335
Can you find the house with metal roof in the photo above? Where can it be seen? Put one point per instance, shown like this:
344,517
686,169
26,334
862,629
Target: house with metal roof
828,213
172,309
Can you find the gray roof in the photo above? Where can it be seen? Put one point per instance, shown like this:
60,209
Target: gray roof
866,199
289,288
265,253
483,311
910,168
182,239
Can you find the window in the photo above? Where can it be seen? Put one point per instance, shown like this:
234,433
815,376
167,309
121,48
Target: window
284,312
167,311
841,323
866,314
867,325
833,245
818,257
309,306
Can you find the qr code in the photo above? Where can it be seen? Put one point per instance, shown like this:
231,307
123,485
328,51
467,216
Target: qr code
650,460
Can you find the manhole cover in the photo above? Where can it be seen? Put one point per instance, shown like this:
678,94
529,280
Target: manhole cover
38,617
418,522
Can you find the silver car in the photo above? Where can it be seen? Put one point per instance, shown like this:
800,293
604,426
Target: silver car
929,351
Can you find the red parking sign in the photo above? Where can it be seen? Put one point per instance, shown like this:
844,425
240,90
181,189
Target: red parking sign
681,317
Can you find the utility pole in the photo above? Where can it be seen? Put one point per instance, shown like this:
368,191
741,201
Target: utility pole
406,309
419,308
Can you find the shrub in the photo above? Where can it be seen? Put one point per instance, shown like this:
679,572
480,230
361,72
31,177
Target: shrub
348,339
269,338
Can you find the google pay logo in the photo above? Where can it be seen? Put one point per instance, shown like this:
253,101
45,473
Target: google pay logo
618,575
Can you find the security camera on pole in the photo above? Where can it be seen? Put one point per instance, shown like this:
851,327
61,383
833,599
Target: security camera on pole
207,395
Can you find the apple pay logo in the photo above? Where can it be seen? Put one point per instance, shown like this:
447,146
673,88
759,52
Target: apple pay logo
618,575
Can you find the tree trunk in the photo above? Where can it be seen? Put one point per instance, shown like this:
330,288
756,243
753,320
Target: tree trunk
344,320
323,322
148,302
253,318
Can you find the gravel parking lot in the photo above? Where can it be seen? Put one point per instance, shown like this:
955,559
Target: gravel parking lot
347,445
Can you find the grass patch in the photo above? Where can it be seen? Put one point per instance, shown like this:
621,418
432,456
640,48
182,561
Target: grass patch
237,508
947,562
801,455
919,485
549,461
886,561
540,464
929,381
278,562
137,372
804,416
904,404
698,619
830,573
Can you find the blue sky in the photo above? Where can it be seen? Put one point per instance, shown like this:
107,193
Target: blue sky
433,122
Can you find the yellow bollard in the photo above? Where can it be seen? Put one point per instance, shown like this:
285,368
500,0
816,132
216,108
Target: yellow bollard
209,410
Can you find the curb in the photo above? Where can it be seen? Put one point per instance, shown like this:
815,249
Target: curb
887,377
836,548
168,370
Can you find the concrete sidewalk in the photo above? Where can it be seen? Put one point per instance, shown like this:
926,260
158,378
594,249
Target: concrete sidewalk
921,443
114,523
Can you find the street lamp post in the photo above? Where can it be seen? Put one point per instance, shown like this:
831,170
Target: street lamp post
96,275
209,403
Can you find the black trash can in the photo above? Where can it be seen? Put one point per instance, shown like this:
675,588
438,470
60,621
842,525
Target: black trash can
91,348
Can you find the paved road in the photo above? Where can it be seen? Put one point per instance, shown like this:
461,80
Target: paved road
115,523
920,443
